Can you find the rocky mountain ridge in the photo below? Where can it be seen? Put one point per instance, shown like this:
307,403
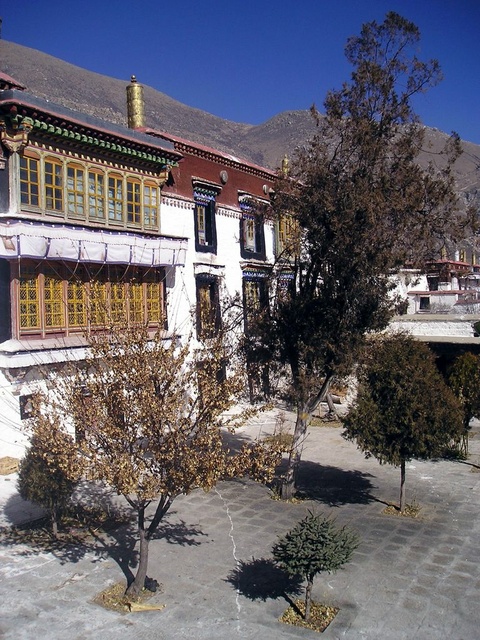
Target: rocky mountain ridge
102,96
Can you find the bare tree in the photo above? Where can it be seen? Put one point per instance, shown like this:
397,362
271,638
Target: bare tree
148,415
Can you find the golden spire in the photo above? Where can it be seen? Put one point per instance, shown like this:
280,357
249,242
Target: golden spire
285,165
135,105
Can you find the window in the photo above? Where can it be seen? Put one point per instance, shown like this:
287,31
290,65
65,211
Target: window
424,303
29,299
53,185
53,299
75,191
115,198
76,303
135,302
205,228
150,205
287,237
208,306
96,196
29,181
154,297
133,202
86,191
118,295
252,238
255,297
97,292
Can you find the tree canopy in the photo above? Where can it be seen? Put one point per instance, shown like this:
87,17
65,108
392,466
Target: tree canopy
363,207
404,408
148,415
464,379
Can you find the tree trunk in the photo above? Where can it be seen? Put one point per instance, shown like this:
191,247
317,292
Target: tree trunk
290,480
308,598
331,406
137,585
54,517
304,411
402,485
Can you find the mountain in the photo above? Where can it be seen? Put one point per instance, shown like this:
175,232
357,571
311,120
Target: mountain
53,79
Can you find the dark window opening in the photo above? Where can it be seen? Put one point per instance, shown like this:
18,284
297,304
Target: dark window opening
208,306
424,303
205,227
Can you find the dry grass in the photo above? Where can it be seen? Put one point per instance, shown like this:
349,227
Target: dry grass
410,511
8,465
114,598
321,615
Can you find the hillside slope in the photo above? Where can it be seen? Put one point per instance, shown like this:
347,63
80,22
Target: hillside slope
265,144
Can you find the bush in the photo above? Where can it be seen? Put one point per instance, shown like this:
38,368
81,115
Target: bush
43,482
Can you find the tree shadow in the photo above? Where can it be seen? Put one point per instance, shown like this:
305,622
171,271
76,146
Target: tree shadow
329,485
113,535
178,532
262,579
120,544
235,440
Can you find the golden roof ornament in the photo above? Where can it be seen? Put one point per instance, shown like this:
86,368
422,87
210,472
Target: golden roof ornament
135,105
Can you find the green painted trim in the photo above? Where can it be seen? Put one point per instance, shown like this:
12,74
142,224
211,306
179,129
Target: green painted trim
103,144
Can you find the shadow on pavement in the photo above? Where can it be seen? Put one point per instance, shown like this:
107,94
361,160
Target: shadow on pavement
114,536
262,579
332,486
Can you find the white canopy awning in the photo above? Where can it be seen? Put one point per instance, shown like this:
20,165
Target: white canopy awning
22,239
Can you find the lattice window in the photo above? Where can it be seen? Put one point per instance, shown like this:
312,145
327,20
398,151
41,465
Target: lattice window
155,300
53,300
117,302
288,236
255,297
76,303
135,302
208,306
29,299
98,303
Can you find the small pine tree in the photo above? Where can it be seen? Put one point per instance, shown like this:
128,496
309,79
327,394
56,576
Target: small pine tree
42,481
314,545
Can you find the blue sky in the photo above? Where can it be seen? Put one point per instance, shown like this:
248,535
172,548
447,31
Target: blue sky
247,60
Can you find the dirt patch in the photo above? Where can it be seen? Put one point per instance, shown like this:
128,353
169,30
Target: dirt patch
321,615
8,465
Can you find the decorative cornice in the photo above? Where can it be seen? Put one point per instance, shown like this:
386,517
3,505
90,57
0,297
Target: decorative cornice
102,143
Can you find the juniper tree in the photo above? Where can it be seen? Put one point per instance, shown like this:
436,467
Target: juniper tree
48,477
464,379
404,409
149,416
314,545
363,207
